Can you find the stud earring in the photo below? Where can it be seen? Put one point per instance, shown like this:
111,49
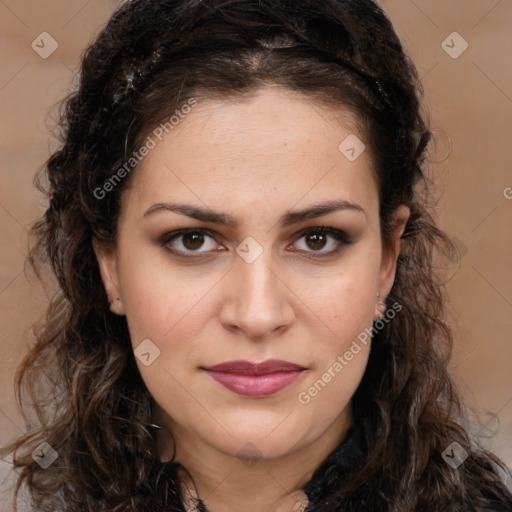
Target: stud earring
380,308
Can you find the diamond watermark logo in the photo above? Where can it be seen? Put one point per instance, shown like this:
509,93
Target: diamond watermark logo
249,250
45,455
44,45
455,455
146,352
352,147
250,454
454,45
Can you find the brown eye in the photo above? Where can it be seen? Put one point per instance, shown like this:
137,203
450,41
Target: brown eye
185,242
316,241
193,241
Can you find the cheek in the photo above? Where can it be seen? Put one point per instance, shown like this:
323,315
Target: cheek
327,395
342,355
345,306
169,308
345,302
162,303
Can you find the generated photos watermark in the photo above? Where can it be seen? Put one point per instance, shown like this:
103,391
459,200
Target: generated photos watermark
304,397
151,142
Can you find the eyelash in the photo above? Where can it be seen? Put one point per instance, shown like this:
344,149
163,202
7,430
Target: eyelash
342,239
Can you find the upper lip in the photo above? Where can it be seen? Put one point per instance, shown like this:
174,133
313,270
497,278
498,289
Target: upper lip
246,367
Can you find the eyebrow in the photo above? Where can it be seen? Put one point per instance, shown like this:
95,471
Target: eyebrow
287,219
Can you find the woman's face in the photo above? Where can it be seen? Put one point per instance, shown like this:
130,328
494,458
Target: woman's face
249,285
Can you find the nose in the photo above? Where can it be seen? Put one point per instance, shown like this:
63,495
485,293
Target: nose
257,301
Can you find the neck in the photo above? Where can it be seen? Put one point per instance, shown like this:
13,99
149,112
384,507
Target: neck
228,482
271,496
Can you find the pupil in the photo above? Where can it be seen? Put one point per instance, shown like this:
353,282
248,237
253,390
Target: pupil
317,239
196,239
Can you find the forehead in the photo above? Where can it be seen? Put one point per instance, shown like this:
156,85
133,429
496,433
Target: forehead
275,148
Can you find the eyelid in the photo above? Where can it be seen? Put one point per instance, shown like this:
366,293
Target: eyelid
334,232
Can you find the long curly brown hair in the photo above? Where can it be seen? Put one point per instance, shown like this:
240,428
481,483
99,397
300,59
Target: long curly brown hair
80,377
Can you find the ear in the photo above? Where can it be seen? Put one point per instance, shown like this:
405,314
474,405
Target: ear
390,254
107,262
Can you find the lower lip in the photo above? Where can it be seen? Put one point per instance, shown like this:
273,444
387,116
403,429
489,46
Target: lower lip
256,385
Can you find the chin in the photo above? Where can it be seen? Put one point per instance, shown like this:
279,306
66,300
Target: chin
249,439
253,448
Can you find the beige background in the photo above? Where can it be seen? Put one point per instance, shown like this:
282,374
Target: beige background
470,101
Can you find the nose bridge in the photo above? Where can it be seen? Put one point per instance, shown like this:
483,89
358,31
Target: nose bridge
259,301
257,279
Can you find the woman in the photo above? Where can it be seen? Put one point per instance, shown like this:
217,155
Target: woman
247,315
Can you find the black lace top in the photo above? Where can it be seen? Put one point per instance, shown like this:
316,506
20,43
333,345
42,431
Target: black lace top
329,475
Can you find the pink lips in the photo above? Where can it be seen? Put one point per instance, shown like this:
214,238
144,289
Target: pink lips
255,379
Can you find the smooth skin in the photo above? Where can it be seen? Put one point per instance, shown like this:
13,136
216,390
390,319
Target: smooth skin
254,159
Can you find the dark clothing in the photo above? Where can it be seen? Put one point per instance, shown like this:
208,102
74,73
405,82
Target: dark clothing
331,474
